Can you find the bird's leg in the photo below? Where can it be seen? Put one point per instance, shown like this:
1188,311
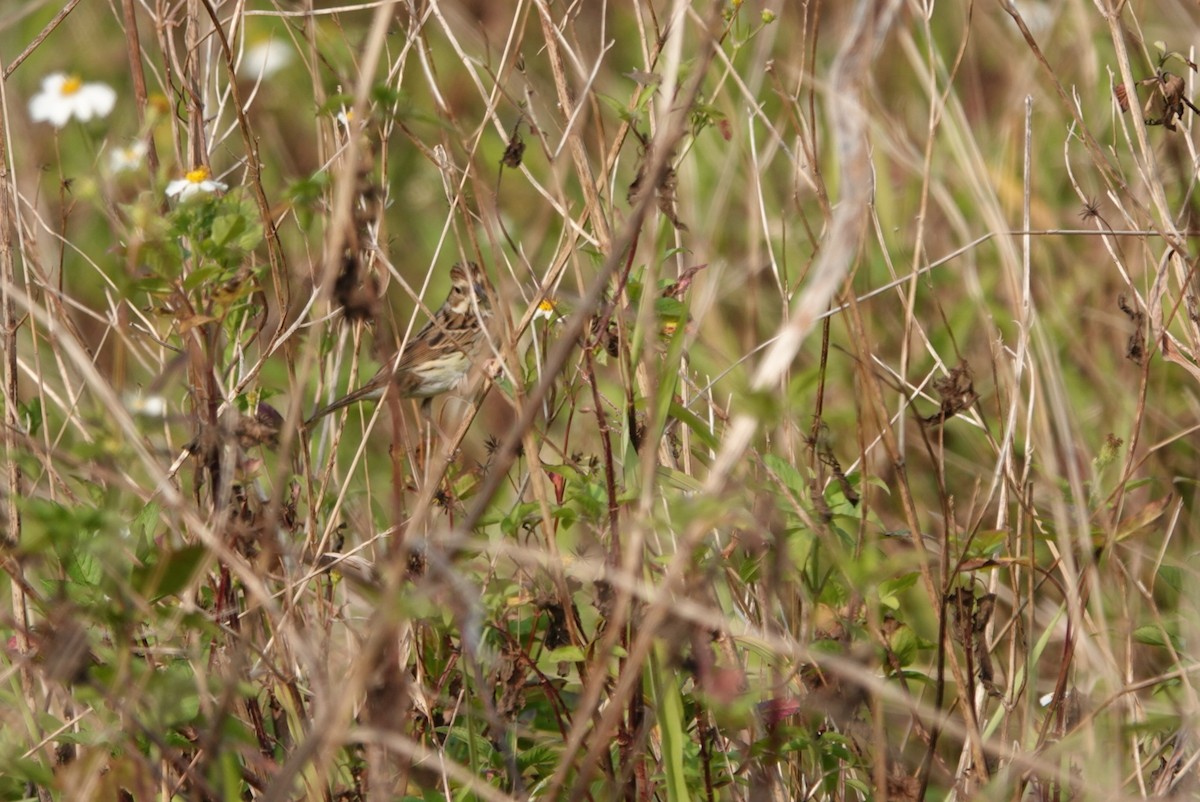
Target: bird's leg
426,428
432,426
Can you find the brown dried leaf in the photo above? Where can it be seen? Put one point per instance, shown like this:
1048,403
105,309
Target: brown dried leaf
665,192
681,286
514,150
957,391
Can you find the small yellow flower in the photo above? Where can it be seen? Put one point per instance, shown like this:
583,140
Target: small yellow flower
545,310
65,96
196,182
158,104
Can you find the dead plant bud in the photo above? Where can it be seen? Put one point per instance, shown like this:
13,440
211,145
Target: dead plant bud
609,338
358,296
971,616
1170,90
514,150
665,190
61,647
680,287
1135,351
260,429
1122,97
557,632
644,78
508,678
1109,451
361,572
356,289
636,423
957,391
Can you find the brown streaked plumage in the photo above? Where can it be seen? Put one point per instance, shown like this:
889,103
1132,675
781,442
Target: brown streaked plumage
439,357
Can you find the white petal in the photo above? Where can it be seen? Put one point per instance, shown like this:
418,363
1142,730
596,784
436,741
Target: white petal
126,158
96,100
264,59
52,83
51,109
39,108
177,187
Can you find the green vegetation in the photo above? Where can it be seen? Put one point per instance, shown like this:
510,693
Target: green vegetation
834,438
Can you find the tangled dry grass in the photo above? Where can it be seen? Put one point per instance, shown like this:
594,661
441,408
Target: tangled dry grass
822,447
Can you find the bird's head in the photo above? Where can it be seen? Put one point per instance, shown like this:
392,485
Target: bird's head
466,280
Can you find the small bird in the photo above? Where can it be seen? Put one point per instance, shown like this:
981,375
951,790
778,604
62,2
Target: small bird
439,357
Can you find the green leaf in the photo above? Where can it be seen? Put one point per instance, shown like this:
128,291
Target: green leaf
1155,635
1172,577
388,96
888,590
226,227
837,746
905,644
568,472
170,574
200,277
591,498
251,238
85,569
336,103
565,654
668,703
621,108
669,309
522,515
987,543
150,285
30,414
171,696
143,524
792,479
31,771
565,516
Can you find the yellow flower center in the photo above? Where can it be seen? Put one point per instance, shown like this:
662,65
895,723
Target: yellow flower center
198,176
71,85
546,306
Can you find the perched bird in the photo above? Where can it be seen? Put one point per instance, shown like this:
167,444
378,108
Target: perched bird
439,357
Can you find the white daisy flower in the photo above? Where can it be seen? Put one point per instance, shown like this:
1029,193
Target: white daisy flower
264,59
196,182
149,406
545,310
346,118
65,96
129,157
